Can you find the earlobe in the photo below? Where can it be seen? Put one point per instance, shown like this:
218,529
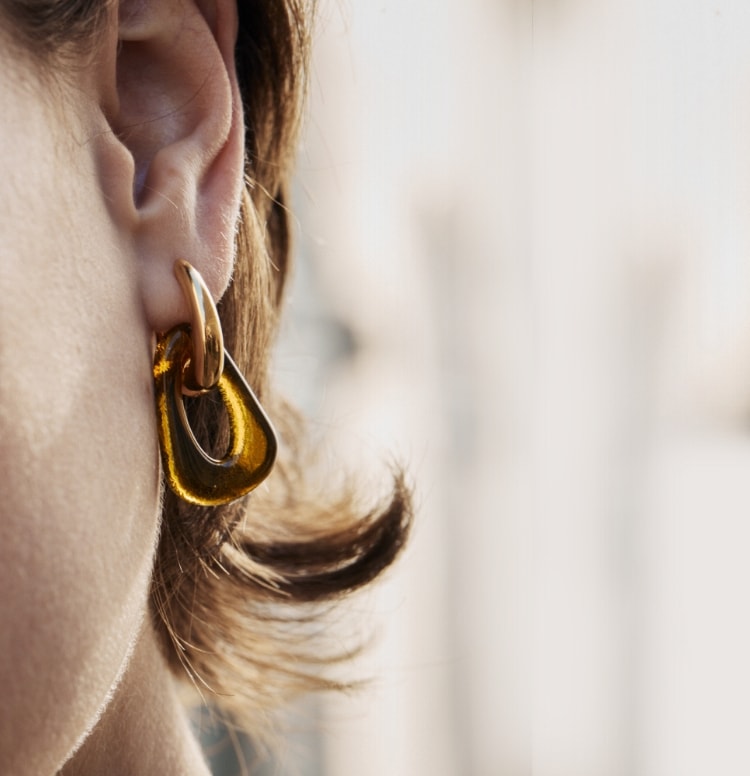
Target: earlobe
179,115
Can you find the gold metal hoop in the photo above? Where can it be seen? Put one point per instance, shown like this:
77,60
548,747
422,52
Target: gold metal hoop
191,473
207,359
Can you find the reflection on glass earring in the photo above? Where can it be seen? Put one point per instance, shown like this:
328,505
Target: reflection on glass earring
190,360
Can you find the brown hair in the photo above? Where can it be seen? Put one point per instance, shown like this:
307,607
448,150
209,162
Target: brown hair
233,585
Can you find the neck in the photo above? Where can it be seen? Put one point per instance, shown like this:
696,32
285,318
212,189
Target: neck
144,728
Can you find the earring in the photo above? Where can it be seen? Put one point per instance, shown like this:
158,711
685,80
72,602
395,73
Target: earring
190,361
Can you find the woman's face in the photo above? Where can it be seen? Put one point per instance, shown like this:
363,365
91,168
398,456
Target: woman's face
114,165
78,450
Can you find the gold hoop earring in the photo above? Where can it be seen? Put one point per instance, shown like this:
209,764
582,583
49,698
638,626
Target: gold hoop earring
190,360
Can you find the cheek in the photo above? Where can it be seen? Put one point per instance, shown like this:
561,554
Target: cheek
79,457
78,525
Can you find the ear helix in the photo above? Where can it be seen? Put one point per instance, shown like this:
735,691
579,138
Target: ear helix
190,360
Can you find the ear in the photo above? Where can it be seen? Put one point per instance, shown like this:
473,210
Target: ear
175,106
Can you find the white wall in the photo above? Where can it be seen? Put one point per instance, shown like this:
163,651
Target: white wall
533,218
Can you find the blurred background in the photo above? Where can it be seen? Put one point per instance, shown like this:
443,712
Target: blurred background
524,270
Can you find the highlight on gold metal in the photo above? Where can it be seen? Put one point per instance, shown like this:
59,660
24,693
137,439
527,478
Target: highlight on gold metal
207,359
191,473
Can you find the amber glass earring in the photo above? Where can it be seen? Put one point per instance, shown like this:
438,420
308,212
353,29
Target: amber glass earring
190,360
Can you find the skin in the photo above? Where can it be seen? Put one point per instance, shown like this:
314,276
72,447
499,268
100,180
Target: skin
110,173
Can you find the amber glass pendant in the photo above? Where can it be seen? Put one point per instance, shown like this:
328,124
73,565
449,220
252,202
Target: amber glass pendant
192,474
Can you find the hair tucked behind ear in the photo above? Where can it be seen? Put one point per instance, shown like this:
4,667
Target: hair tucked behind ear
230,582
